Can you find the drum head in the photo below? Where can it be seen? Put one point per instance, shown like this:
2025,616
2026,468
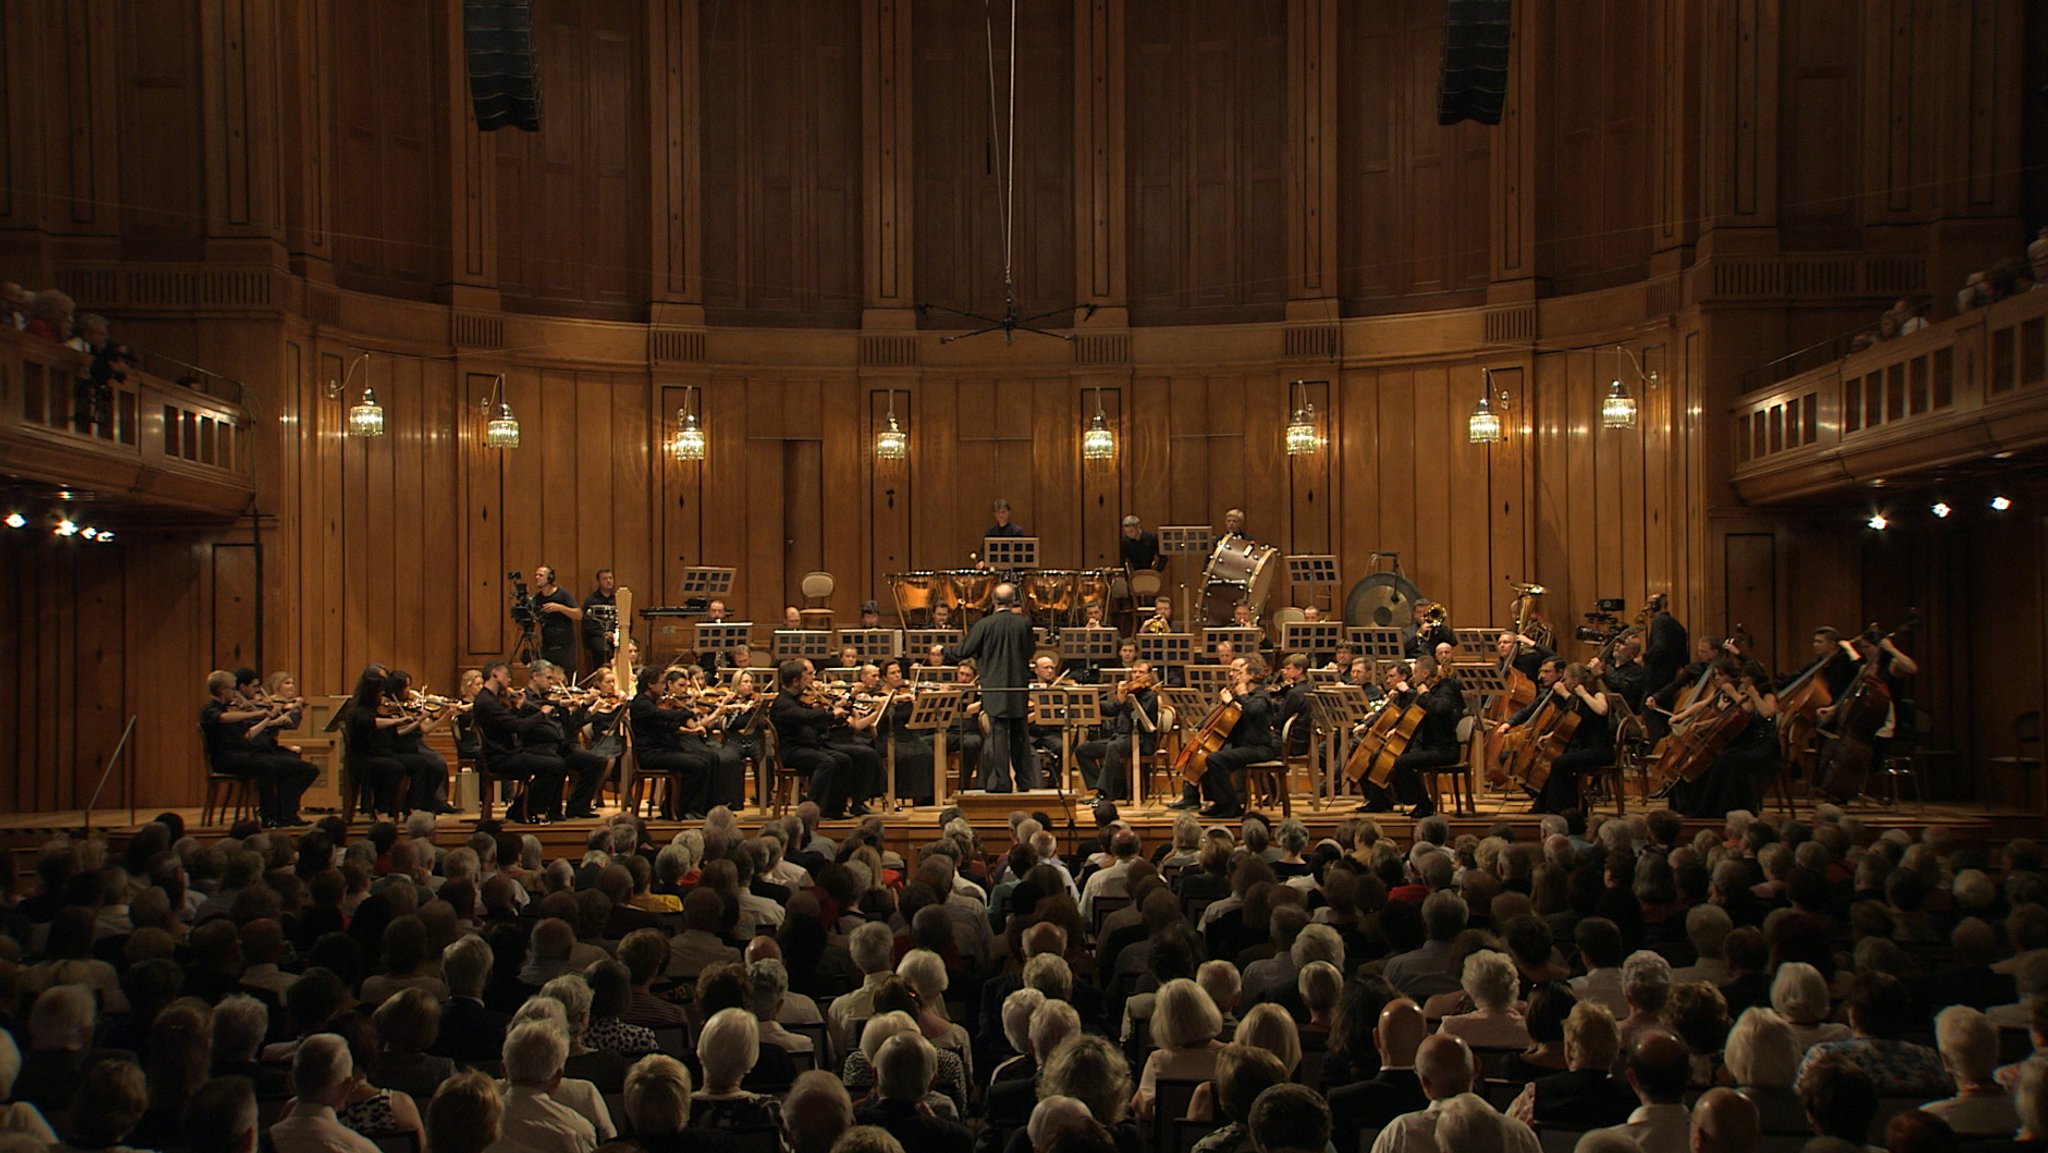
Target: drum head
1265,571
1145,585
1289,616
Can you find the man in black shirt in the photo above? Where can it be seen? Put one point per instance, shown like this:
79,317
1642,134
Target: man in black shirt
1250,740
658,744
281,776
1133,720
1004,526
1140,547
543,679
1292,700
1421,636
506,734
597,632
1435,744
1002,643
1664,652
800,734
558,617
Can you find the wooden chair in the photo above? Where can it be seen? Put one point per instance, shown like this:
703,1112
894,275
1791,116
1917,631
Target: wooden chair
784,786
1459,774
2026,733
817,588
1171,1097
1157,769
486,792
1265,785
231,796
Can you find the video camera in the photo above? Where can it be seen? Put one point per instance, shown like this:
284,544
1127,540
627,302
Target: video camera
1604,623
524,611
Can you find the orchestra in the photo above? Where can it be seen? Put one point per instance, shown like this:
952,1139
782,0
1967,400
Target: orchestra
1712,735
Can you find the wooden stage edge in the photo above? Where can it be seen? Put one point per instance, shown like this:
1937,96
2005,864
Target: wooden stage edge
909,828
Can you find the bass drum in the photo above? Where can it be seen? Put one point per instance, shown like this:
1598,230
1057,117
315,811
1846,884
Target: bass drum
1239,572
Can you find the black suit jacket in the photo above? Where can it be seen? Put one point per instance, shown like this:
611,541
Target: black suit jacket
1583,1099
1001,644
916,1129
470,1032
1373,1104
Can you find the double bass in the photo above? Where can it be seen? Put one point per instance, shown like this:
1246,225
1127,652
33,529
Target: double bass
1394,735
1518,693
1846,757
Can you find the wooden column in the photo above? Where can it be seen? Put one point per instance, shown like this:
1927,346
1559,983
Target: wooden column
1517,150
1674,166
239,77
1312,159
306,141
1099,205
472,267
675,164
888,284
1739,102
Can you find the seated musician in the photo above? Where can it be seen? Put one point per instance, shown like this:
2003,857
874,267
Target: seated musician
544,682
426,771
1664,699
520,745
286,711
1592,741
726,783
1435,744
1089,672
747,712
1528,658
281,776
1133,720
1742,770
1422,635
1045,739
1161,620
658,714
371,727
1837,659
942,615
964,735
1629,679
1292,699
1233,529
792,617
912,749
466,743
1250,741
1340,663
834,770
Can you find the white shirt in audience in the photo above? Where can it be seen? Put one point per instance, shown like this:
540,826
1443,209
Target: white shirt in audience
1985,1115
537,1123
314,1129
1659,1128
1416,1132
1604,986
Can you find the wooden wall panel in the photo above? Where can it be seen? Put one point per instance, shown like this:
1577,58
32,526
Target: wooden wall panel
1596,221
959,166
163,182
1820,140
1412,226
573,198
782,163
387,217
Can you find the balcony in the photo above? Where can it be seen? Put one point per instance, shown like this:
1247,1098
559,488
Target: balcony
1958,391
167,447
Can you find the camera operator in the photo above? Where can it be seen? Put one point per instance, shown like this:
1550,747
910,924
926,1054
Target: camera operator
558,617
1665,650
597,633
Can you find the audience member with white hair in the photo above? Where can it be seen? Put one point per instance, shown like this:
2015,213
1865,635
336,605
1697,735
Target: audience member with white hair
1800,995
1646,986
1969,1047
1762,1057
872,949
577,1093
1490,981
18,1116
1588,1093
727,1048
1706,928
323,1075
1185,1027
816,1112
949,1093
903,1075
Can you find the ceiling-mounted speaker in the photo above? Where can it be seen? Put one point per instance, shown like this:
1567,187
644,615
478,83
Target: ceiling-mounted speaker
504,75
1475,77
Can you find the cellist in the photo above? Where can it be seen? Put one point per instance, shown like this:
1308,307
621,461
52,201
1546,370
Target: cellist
1251,740
1592,742
1742,770
1435,744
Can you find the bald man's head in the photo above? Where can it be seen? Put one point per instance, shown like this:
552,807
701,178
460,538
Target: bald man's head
1401,1030
1658,1066
1725,1121
763,949
1444,1066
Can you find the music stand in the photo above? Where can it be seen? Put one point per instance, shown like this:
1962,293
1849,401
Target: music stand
918,642
1477,643
718,636
872,644
1245,640
1010,552
1210,679
1070,709
809,644
1089,646
707,582
1166,650
943,673
1313,637
1316,570
1179,540
1377,644
1349,707
1324,678
933,710
839,674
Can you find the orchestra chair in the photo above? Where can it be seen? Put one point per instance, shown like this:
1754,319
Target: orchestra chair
817,588
1460,774
1902,761
783,786
2026,731
644,794
1303,761
227,794
486,793
1265,785
1143,768
1160,781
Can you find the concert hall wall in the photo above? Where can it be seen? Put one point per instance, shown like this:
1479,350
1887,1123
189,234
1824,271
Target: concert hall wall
750,200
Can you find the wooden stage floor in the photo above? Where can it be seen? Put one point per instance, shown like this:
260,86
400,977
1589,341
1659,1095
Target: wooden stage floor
910,827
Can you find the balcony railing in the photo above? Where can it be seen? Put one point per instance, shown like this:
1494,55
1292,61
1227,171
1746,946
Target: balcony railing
159,442
1955,391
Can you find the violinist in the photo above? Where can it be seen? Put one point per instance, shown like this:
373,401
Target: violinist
605,716
1292,699
745,715
372,749
520,744
281,775
284,709
726,781
913,750
544,684
425,770
1250,740
658,716
1133,721
964,735
1744,767
466,743
1435,744
800,721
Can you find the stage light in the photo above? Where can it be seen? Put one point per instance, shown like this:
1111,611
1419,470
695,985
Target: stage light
66,527
1098,442
1941,509
2000,504
106,535
16,520
1878,521
90,533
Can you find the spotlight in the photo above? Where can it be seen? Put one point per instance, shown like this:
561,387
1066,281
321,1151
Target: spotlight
67,527
90,533
1878,521
1941,509
1998,504
106,534
16,520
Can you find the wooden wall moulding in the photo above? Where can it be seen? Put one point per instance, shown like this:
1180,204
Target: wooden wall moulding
675,345
476,330
888,351
1516,325
174,287
1312,341
1102,348
1806,278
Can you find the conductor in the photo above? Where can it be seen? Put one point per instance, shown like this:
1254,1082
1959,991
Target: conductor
1001,644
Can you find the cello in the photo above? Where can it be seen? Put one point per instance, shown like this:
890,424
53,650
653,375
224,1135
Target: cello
1193,762
1398,734
1358,765
1518,693
1846,758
